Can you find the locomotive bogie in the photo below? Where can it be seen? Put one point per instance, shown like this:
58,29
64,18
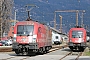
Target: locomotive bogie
30,48
78,46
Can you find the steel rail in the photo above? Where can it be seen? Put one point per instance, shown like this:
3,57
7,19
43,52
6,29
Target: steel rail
66,55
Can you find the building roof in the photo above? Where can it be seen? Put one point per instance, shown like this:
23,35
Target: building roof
57,31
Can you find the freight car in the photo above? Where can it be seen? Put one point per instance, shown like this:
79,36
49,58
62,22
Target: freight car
77,39
31,37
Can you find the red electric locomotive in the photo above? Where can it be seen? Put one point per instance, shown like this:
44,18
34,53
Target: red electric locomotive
77,39
31,37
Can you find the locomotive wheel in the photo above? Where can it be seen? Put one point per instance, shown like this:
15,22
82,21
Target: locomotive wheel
41,51
17,52
24,53
82,49
71,48
47,49
30,52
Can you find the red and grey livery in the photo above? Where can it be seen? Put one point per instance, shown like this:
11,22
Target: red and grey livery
31,37
77,38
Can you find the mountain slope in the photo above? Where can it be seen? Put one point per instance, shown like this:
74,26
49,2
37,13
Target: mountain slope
45,10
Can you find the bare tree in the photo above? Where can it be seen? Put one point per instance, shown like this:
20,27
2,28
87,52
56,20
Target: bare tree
5,15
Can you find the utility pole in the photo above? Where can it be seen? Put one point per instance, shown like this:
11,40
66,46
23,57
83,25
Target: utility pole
54,20
60,23
77,18
82,24
15,14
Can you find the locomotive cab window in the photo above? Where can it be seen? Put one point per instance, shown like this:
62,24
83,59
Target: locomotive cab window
77,34
39,29
25,29
56,37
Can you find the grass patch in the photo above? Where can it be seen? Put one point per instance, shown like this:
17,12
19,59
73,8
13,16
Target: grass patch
87,53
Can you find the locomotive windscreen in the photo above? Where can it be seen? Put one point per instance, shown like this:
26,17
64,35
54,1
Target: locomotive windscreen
25,29
77,34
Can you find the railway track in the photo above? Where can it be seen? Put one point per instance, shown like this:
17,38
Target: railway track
77,54
8,58
57,48
9,48
5,48
80,54
26,57
20,58
66,55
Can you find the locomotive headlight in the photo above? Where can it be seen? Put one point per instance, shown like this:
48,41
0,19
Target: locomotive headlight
14,39
34,40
